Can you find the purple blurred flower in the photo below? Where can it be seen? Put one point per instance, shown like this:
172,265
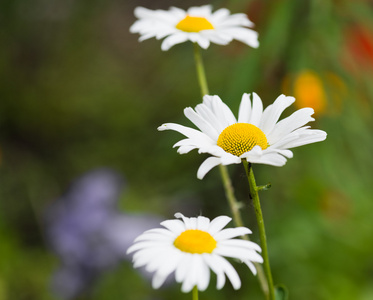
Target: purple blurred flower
88,232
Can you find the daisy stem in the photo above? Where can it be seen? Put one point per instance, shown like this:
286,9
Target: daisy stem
237,219
229,193
259,217
227,183
195,293
200,70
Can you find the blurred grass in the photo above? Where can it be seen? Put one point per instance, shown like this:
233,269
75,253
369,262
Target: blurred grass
78,91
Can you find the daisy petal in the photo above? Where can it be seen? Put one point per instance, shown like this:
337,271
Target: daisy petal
257,110
245,109
207,165
251,266
231,233
172,40
216,268
218,223
281,103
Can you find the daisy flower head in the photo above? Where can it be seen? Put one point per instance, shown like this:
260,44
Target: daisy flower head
190,247
256,135
197,24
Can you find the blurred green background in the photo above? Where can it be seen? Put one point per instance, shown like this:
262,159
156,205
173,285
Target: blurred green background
78,91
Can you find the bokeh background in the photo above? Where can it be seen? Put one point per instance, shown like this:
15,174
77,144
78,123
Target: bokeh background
80,101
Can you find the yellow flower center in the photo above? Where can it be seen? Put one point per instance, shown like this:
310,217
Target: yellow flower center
239,138
194,24
195,241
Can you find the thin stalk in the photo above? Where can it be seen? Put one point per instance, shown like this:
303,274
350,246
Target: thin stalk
195,293
201,75
259,217
237,219
234,205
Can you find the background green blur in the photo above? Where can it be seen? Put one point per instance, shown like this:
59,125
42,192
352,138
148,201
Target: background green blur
78,91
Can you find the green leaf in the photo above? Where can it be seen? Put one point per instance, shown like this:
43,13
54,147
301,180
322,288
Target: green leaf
281,292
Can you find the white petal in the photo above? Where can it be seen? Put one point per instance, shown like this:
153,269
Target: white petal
251,266
245,109
221,110
241,243
203,42
239,253
218,223
191,278
228,159
185,149
176,226
214,265
193,223
269,120
256,155
203,223
200,11
220,14
218,37
146,245
257,110
205,112
286,153
203,274
308,137
183,267
163,260
142,12
144,37
154,231
206,166
167,268
229,270
244,35
187,131
145,256
236,20
154,237
194,143
185,220
229,233
173,39
287,125
201,123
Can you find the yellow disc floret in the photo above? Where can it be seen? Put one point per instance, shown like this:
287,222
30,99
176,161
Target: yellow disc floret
195,241
240,138
194,24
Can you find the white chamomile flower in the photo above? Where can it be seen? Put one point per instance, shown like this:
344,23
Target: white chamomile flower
191,247
197,24
256,136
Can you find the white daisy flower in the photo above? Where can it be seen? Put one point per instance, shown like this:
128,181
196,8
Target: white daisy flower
197,24
191,247
256,136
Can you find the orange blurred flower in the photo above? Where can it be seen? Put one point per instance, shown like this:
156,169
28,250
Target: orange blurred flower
309,91
312,90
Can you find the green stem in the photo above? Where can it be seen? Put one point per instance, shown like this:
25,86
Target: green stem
237,219
227,183
195,293
259,217
201,75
